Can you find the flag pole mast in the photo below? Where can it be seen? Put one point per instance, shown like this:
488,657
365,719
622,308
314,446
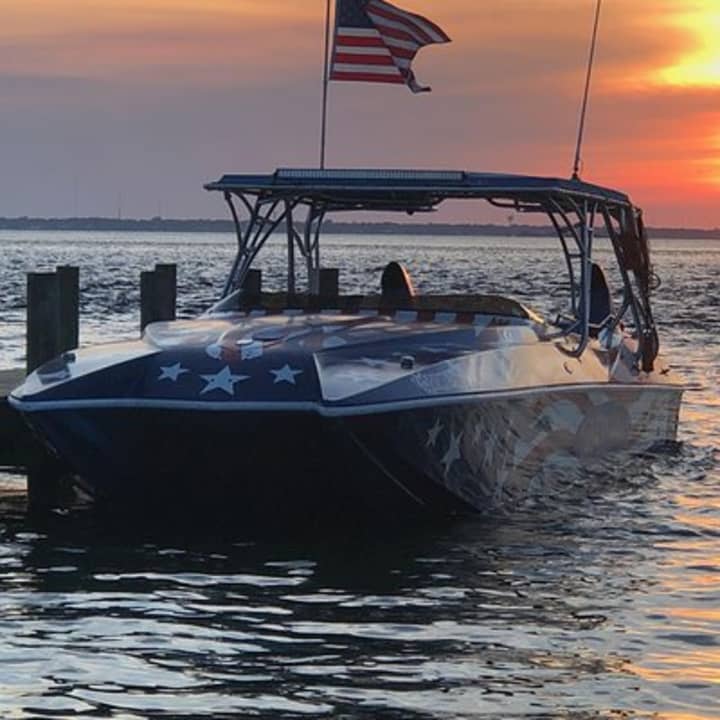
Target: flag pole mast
326,83
586,96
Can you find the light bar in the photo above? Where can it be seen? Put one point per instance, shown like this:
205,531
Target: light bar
436,176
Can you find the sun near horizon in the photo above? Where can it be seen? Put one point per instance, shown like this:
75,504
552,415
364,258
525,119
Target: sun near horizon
149,98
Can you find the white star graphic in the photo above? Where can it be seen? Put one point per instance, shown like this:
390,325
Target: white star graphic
453,454
477,434
172,372
286,374
224,380
433,433
491,442
214,351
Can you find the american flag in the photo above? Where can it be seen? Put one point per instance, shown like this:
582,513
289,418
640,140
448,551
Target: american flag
377,42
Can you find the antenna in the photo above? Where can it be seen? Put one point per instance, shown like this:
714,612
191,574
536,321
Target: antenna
586,96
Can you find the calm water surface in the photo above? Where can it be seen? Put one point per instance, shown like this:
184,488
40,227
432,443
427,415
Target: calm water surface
601,600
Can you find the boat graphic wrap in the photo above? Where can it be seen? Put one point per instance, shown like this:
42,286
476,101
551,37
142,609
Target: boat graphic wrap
291,358
495,453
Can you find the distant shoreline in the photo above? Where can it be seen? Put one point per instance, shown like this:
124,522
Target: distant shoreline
157,224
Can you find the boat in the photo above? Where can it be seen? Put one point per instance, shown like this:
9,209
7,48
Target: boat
311,403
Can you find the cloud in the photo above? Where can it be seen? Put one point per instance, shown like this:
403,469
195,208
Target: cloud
152,97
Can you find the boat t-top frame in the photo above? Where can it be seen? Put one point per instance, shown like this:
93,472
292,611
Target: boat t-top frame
299,200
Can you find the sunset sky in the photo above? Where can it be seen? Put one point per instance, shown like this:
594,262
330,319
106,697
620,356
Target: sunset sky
137,103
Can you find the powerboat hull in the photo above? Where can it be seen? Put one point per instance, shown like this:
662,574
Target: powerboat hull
477,453
318,404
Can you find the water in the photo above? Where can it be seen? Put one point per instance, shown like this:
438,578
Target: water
599,602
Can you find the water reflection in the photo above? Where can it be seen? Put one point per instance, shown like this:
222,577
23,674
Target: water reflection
597,606
597,599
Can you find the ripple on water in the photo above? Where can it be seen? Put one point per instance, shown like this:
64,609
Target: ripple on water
597,599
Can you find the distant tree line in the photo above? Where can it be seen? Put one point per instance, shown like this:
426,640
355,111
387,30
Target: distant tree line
158,224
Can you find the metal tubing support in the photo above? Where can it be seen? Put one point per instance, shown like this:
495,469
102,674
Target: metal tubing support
290,226
630,299
588,221
229,283
575,289
261,226
313,225
568,258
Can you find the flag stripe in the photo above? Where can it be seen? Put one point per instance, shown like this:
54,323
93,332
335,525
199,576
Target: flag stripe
350,59
367,68
343,49
435,32
368,77
358,32
393,31
400,46
349,40
385,19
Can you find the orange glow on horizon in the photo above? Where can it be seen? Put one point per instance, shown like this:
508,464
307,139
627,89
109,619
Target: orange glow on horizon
506,90
701,65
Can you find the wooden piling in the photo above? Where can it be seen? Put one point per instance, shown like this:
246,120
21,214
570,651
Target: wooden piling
68,280
166,289
252,285
158,295
53,307
42,319
327,282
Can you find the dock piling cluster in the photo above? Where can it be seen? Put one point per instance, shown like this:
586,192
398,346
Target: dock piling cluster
53,327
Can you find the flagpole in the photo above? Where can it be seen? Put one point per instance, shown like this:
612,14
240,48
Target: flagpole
588,80
326,83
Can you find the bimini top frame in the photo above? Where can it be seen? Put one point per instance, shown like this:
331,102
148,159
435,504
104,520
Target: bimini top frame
573,206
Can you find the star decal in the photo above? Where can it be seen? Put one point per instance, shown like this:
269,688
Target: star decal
224,380
286,374
214,351
172,372
433,433
453,454
477,434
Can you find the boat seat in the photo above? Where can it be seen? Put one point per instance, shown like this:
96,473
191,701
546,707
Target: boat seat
427,307
396,284
601,307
